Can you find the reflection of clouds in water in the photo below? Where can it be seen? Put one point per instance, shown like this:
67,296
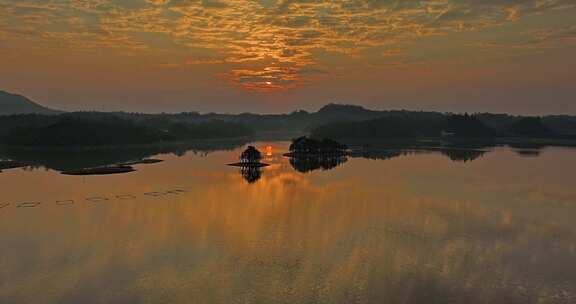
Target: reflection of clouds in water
232,245
296,237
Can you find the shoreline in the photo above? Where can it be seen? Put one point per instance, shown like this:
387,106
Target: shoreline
497,141
180,143
352,142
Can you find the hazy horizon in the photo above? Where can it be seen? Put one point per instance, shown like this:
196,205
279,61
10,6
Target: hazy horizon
310,109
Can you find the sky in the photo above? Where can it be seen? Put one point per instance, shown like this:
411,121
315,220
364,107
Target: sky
273,56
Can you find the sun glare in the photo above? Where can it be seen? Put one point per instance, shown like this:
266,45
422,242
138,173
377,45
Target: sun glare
269,151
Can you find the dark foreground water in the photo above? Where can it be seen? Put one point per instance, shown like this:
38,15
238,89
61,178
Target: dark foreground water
436,226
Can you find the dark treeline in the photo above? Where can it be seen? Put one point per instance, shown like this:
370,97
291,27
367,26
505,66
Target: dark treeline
417,125
331,121
397,126
97,129
414,123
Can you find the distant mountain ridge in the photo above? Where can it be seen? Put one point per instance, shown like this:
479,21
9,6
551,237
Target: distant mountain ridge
289,124
344,108
12,104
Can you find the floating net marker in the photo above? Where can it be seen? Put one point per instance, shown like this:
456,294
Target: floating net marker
27,205
2,205
125,196
97,199
65,202
154,194
177,191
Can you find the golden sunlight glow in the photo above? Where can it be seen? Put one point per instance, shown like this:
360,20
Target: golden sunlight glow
278,45
268,151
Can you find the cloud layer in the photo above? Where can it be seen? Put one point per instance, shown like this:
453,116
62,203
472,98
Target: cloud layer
265,45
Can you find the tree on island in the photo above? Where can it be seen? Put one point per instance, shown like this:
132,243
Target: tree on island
250,155
305,145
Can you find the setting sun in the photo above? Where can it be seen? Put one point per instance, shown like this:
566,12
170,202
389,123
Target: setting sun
268,150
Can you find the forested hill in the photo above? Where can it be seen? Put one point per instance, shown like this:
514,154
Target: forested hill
298,121
332,120
305,122
418,125
105,129
11,104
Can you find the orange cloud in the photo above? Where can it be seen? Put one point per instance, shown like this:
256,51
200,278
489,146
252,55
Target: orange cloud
278,39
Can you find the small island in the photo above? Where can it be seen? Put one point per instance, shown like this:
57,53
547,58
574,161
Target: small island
310,154
310,147
251,157
108,170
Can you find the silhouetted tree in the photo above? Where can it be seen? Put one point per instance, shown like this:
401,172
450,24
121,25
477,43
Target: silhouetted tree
250,155
305,145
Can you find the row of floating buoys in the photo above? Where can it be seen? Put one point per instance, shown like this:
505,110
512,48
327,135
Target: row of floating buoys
125,197
65,202
28,204
94,199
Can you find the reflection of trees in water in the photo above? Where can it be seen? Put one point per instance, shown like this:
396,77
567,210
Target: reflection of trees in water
462,155
454,154
466,152
251,174
307,164
528,150
379,154
76,159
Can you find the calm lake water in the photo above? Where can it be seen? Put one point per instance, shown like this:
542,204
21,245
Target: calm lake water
428,226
